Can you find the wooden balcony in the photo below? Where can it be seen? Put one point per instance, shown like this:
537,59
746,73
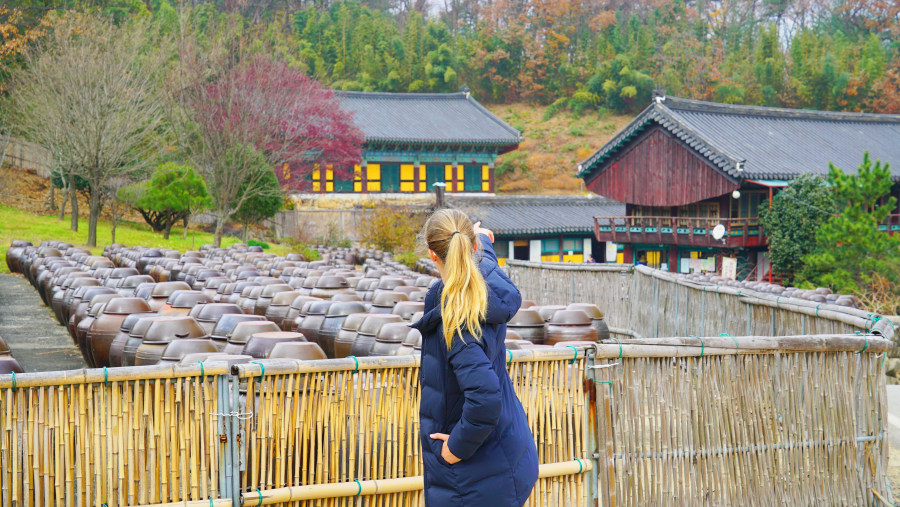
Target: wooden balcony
739,232
891,225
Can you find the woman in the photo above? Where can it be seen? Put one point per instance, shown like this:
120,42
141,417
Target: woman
476,444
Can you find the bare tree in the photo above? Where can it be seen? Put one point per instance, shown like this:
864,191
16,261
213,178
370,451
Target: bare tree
91,93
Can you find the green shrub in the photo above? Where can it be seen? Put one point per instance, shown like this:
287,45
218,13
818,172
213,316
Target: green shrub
576,130
407,258
263,244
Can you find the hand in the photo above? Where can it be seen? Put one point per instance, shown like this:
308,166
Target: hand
481,230
445,451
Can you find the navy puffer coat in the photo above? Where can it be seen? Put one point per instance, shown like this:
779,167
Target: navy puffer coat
467,394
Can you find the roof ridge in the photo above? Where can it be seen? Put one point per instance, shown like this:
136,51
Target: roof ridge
400,95
682,104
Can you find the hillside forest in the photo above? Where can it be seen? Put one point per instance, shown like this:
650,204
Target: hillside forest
605,55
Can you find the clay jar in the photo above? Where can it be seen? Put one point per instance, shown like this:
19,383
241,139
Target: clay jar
304,351
8,364
547,312
81,305
14,255
178,349
135,337
242,332
385,301
280,305
81,330
128,284
568,326
208,314
117,348
529,325
406,309
180,303
365,288
365,338
387,284
248,298
389,339
596,316
62,310
334,318
107,325
411,343
327,286
161,293
312,321
343,343
288,323
260,344
163,331
226,325
265,297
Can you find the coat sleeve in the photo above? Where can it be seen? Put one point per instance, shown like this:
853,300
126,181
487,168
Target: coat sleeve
481,390
506,298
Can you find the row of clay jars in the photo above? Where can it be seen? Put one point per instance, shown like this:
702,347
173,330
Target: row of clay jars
551,324
106,325
324,319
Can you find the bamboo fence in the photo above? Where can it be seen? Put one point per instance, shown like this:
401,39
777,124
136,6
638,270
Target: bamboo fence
743,421
640,301
122,436
351,427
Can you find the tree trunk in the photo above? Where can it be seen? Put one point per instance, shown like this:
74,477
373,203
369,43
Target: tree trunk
220,224
186,219
52,197
245,232
74,196
168,229
115,222
62,205
94,217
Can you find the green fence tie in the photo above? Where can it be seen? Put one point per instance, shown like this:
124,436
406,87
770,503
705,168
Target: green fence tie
620,346
105,376
357,363
509,361
702,346
736,348
817,310
864,346
260,497
262,373
210,502
576,354
202,373
358,485
580,466
13,379
605,382
776,302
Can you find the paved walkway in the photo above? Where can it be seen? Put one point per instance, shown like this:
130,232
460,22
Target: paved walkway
37,341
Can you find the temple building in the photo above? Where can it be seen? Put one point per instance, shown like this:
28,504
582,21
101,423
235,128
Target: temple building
693,176
413,140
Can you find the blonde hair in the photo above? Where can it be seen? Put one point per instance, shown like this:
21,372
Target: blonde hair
451,236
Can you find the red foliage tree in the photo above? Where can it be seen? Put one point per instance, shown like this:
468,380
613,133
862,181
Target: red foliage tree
254,117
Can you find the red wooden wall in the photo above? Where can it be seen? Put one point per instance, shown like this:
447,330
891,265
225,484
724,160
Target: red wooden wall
656,169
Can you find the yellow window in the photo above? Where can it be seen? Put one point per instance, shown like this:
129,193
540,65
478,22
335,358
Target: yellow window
407,186
357,186
421,186
485,172
373,186
407,172
316,186
501,261
620,258
422,172
459,173
329,175
316,175
521,242
485,186
573,258
286,172
357,173
373,172
329,186
448,173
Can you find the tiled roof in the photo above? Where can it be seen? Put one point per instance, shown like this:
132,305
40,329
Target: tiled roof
430,118
753,142
534,215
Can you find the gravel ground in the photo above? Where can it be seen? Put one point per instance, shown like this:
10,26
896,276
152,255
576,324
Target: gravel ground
37,341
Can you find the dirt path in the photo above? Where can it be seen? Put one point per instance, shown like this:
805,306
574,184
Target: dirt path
37,341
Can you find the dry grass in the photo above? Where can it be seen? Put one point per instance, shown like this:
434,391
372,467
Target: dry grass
546,161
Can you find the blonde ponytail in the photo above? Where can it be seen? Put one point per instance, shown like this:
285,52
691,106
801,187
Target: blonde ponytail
451,236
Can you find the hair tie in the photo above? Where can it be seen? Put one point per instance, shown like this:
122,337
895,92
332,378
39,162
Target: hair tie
454,233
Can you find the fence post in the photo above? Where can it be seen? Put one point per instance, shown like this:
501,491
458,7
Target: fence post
235,442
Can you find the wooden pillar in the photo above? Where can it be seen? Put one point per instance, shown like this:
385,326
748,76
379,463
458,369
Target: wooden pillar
364,176
628,254
561,251
673,258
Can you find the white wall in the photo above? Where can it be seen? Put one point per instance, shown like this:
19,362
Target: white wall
534,247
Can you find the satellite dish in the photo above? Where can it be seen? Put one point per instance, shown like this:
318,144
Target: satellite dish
718,232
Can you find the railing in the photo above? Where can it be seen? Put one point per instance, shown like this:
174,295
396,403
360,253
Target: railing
685,421
891,225
739,232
